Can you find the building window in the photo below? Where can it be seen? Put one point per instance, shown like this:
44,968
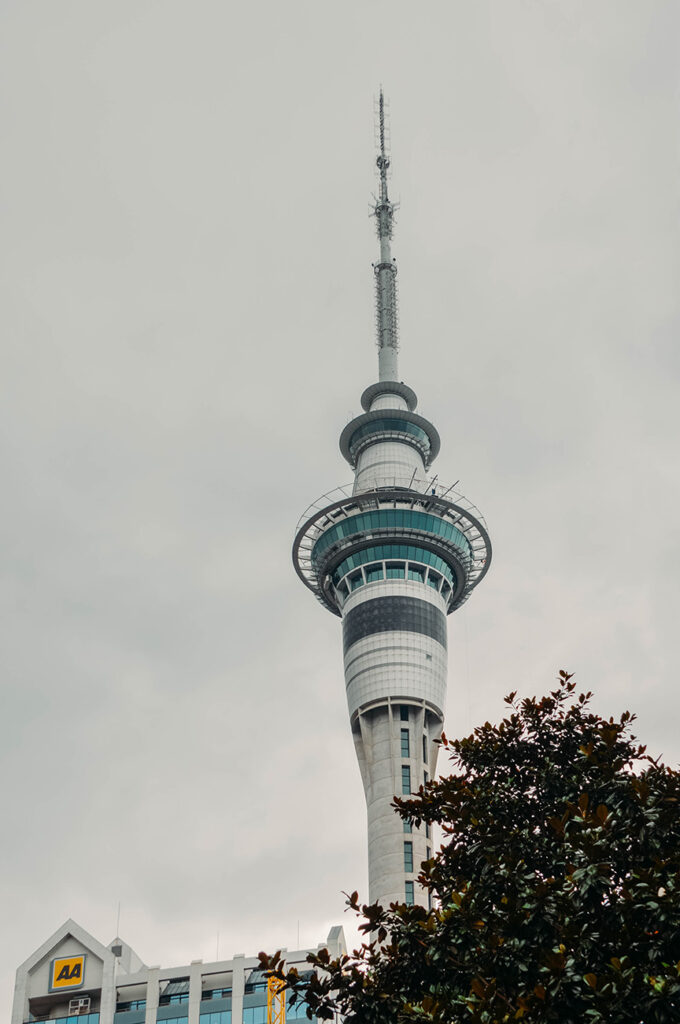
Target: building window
403,711
133,1004
408,856
216,993
425,777
424,749
405,779
416,574
428,851
178,997
405,745
395,571
408,828
254,1015
427,830
410,898
219,1017
356,581
374,573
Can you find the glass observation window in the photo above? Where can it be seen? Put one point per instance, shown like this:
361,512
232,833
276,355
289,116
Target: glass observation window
395,571
374,573
215,1017
391,425
410,895
378,552
434,579
415,573
356,581
396,519
405,744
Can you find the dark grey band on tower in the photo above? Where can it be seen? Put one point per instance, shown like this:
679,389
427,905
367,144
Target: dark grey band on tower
388,614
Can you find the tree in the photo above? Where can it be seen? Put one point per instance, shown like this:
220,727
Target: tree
556,893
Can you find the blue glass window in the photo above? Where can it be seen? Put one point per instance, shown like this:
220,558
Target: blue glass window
374,573
408,856
416,574
405,745
408,828
216,993
405,779
433,579
356,581
378,552
403,711
178,997
83,1018
391,425
254,1015
395,572
219,1017
133,1004
397,519
410,896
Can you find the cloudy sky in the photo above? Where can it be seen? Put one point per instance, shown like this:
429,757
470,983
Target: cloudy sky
187,325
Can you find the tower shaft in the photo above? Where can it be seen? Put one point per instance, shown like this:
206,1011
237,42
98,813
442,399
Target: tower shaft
392,556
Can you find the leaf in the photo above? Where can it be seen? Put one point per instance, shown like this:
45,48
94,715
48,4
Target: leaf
591,979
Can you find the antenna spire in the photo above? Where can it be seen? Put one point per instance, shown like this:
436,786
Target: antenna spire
385,271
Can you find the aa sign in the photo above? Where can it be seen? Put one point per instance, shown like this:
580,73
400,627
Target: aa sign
67,972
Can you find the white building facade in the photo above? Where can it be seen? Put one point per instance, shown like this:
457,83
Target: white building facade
74,979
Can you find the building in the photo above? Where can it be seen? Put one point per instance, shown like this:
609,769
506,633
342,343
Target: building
74,979
392,555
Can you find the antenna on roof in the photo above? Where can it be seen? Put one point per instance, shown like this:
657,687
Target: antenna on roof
385,271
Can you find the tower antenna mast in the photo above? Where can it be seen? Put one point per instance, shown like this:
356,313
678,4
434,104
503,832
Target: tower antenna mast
386,270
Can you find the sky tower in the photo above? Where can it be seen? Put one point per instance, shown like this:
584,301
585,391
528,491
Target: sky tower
392,556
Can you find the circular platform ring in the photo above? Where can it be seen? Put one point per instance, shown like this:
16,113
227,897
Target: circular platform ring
389,387
381,414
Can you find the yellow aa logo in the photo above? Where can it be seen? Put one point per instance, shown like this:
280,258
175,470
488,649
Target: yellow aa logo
67,972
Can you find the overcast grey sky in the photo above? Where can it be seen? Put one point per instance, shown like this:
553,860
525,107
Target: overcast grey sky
187,325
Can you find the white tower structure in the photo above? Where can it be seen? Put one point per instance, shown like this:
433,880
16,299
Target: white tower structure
392,556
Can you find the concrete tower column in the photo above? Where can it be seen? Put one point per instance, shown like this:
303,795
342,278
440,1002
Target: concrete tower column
392,557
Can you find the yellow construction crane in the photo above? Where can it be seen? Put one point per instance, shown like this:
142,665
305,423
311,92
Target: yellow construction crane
276,1001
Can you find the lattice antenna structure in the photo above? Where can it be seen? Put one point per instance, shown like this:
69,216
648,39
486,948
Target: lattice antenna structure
386,270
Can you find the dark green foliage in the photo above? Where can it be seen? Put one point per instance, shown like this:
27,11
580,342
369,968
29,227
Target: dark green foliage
557,889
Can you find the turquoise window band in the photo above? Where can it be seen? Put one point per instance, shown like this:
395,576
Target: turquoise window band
391,519
391,426
404,552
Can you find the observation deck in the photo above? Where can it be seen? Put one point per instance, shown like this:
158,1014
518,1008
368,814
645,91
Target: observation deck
345,541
